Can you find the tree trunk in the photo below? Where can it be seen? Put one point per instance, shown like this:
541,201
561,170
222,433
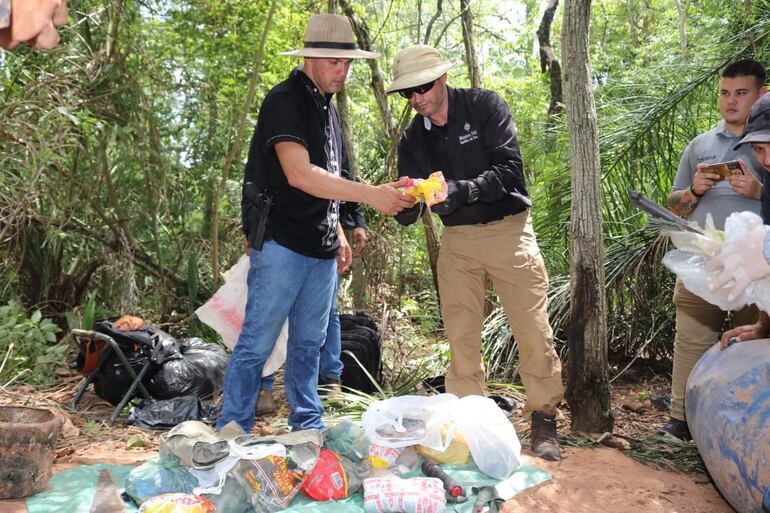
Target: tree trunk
392,127
549,62
344,111
682,6
436,15
358,281
470,47
235,150
378,83
588,391
432,242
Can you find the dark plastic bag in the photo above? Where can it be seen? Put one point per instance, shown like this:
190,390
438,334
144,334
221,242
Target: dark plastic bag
198,370
168,413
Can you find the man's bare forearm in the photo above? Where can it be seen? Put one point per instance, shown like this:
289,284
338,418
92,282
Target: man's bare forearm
682,203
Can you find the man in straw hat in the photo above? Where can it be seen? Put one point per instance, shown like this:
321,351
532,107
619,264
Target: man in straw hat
744,260
291,195
468,134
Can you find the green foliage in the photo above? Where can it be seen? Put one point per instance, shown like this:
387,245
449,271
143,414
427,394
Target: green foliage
25,345
113,144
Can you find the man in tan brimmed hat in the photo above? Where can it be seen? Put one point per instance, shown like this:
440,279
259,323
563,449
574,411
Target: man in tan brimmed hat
291,198
469,135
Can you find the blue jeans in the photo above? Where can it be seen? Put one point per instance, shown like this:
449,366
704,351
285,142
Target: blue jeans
330,364
281,284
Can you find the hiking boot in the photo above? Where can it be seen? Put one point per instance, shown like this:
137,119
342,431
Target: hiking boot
545,441
677,428
330,386
265,403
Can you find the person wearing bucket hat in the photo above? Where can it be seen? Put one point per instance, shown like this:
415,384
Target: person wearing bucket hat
290,210
698,193
469,135
748,258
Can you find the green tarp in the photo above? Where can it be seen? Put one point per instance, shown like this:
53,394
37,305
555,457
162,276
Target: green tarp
73,490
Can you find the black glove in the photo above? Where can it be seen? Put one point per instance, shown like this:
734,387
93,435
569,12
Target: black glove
409,215
457,195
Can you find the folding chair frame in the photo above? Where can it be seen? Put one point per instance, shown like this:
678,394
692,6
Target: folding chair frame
104,353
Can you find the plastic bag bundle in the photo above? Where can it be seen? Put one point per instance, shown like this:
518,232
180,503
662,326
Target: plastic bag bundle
226,309
432,422
383,457
457,453
410,420
177,503
168,413
334,477
158,476
269,484
348,440
431,190
232,499
691,259
396,495
198,370
490,436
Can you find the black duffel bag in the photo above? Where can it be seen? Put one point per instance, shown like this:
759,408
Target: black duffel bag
361,341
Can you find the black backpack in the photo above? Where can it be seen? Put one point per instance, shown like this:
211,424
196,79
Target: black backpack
360,338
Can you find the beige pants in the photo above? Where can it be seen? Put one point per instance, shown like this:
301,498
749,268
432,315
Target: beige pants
699,324
508,253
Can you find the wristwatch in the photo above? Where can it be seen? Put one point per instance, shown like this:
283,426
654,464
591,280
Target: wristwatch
473,193
692,190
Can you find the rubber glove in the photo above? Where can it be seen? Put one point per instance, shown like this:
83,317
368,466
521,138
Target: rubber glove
742,261
409,215
457,195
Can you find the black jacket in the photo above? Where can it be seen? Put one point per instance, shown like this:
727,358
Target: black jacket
477,143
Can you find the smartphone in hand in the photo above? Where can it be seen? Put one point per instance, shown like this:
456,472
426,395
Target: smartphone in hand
723,169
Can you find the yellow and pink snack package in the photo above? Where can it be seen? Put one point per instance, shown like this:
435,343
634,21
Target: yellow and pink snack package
431,190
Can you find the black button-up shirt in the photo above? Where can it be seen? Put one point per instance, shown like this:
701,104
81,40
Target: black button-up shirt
295,111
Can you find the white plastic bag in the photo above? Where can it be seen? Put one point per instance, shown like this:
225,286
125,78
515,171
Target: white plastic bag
494,446
409,420
691,260
225,311
431,421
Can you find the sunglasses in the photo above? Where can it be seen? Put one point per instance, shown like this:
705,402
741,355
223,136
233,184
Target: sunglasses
420,89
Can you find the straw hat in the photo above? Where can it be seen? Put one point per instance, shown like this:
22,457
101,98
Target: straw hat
331,36
417,65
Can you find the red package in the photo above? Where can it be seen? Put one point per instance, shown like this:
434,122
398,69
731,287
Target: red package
327,480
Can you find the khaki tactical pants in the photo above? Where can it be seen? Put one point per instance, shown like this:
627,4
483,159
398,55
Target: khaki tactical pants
508,253
699,325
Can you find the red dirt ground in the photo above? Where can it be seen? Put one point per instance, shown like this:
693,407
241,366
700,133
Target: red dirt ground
587,480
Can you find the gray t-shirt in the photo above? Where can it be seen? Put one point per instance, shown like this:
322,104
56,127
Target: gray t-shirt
713,147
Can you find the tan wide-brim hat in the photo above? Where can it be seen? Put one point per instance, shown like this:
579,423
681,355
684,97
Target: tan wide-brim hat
417,65
331,36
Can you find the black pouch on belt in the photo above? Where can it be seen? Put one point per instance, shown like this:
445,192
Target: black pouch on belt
255,207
